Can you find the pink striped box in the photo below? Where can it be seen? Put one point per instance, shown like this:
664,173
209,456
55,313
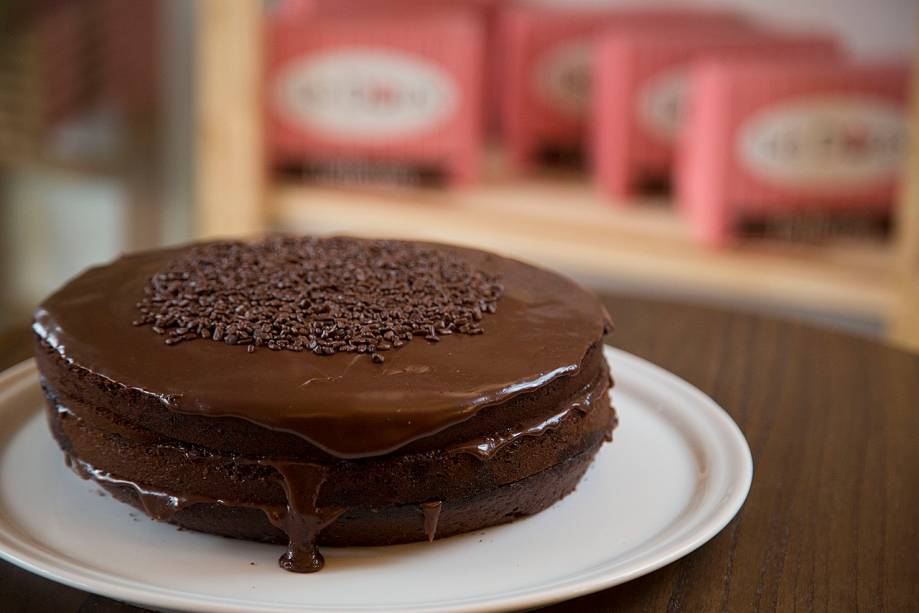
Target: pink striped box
376,89
546,64
763,140
640,89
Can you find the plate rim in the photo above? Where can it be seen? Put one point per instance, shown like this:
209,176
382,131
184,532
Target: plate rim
16,550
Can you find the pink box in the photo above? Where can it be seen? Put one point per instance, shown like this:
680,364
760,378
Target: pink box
375,88
546,57
763,139
487,11
640,89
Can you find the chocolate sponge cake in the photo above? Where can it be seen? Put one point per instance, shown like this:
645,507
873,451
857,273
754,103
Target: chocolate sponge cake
326,391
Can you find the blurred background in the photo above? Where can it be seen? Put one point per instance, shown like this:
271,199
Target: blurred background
751,155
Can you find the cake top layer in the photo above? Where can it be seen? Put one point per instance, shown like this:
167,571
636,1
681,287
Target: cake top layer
304,325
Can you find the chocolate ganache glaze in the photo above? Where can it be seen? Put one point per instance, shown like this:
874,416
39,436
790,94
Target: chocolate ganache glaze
344,403
353,403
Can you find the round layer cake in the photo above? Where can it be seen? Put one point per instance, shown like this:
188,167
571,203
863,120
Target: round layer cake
331,391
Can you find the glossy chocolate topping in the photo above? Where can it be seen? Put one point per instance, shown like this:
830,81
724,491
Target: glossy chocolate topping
345,404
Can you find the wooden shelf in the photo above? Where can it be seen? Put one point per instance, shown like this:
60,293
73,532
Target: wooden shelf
560,222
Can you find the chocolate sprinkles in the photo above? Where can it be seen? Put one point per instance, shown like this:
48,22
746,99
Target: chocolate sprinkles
325,295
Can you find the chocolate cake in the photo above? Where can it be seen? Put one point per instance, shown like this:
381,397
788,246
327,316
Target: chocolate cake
331,391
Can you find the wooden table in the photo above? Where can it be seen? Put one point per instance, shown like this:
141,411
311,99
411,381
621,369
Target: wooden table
832,521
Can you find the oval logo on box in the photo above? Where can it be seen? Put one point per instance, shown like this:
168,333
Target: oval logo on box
826,143
368,94
661,102
561,77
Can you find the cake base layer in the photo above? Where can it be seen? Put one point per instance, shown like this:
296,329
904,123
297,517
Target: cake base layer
368,526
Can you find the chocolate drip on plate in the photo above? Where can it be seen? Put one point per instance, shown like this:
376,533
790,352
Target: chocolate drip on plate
431,512
301,520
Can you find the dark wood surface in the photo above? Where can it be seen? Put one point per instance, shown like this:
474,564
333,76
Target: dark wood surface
832,520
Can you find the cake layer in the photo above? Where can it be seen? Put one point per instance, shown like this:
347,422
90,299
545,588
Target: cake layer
89,394
366,525
129,452
348,405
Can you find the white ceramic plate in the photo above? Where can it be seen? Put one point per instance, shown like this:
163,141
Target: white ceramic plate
678,471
